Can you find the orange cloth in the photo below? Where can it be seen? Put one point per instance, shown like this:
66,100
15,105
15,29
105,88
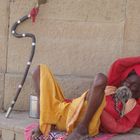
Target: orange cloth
54,109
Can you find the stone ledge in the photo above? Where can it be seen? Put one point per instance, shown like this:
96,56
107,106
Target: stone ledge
72,87
16,122
13,127
127,136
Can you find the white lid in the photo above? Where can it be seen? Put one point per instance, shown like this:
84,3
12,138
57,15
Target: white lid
32,97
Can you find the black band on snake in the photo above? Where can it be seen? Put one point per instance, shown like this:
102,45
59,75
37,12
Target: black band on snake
33,14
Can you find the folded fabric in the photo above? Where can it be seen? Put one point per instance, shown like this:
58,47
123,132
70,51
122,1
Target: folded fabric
121,68
58,135
64,114
118,72
28,130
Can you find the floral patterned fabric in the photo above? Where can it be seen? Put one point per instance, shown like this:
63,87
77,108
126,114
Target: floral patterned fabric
57,135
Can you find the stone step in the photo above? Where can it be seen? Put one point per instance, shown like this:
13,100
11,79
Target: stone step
72,86
13,127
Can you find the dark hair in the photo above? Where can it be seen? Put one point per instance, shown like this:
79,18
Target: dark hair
133,72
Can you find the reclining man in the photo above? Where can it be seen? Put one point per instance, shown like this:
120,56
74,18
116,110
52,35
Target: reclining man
95,109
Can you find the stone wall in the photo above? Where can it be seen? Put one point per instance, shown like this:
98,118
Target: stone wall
75,38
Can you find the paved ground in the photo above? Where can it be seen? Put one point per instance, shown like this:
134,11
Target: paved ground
127,137
16,122
19,120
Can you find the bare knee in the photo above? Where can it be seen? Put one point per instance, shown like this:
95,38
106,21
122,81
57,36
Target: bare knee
98,86
100,80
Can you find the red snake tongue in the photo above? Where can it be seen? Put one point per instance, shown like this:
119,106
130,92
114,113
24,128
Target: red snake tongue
34,13
35,10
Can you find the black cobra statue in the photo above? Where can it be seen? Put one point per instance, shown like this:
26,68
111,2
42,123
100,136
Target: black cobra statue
22,35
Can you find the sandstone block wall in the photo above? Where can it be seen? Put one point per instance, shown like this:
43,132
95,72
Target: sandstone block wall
75,38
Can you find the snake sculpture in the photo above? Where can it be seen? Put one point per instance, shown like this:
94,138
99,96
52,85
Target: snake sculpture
22,35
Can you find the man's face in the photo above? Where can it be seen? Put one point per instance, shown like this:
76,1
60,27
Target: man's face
133,83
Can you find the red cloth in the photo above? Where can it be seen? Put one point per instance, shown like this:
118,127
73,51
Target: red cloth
68,100
110,119
121,68
112,122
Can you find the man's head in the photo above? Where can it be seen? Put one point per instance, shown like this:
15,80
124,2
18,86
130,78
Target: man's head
133,83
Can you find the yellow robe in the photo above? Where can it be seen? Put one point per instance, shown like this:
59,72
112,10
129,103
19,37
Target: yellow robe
55,111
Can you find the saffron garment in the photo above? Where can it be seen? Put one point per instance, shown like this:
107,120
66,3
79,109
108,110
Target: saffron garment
55,110
110,118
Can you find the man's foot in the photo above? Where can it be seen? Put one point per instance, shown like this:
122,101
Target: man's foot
80,133
36,133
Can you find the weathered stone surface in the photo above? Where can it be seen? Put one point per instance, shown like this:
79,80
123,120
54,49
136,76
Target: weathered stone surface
1,89
4,11
132,31
7,134
126,137
22,7
133,10
131,39
84,10
14,126
68,41
131,48
16,122
20,55
0,134
72,87
19,120
11,84
3,47
82,48
20,136
107,10
67,47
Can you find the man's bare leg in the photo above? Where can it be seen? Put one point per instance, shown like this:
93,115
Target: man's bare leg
94,98
36,81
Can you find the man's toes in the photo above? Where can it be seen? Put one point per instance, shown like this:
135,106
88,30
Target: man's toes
36,133
34,137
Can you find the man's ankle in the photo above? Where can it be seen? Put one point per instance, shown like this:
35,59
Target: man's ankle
82,129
